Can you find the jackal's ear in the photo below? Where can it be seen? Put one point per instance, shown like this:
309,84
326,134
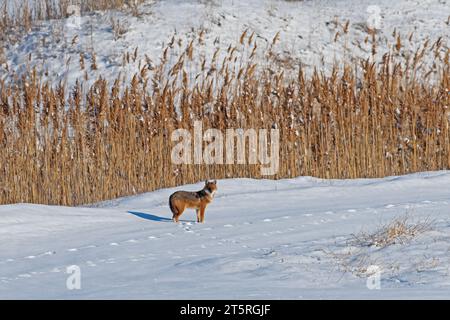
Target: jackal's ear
215,181
206,182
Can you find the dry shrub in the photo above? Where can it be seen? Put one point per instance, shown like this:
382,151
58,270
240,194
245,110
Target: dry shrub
398,231
363,254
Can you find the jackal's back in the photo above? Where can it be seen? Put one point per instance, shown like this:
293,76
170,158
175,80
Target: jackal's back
188,199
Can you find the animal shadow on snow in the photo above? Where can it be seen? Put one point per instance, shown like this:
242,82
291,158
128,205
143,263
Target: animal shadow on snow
152,217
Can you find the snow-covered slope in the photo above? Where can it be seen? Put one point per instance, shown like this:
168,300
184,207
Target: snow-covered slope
307,34
262,239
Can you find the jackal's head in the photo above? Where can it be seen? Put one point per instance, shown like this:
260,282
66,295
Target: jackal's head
211,186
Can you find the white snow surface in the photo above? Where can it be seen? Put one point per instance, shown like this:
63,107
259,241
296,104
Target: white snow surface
262,239
307,35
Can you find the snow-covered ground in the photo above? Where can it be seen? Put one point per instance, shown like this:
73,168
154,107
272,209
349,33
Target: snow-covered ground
307,29
262,239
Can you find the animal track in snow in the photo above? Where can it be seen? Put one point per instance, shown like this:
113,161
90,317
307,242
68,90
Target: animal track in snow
48,253
89,247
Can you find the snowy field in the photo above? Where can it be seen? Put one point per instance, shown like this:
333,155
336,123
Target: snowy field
311,33
261,240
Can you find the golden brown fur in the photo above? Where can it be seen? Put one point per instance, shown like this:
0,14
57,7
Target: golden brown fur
199,200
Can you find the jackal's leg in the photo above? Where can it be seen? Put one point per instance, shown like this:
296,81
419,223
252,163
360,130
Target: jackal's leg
176,216
198,214
202,214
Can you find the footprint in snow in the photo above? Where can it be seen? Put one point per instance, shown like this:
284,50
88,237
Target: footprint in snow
228,225
72,250
351,210
151,237
89,247
113,244
267,220
307,215
132,241
30,257
48,253
389,206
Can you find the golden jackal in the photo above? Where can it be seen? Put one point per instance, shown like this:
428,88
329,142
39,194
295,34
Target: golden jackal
181,200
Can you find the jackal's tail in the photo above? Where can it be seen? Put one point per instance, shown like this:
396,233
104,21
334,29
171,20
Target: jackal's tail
172,207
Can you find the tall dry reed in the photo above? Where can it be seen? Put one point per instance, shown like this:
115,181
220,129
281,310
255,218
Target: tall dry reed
373,119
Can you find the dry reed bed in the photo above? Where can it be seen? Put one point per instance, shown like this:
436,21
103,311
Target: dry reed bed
374,119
